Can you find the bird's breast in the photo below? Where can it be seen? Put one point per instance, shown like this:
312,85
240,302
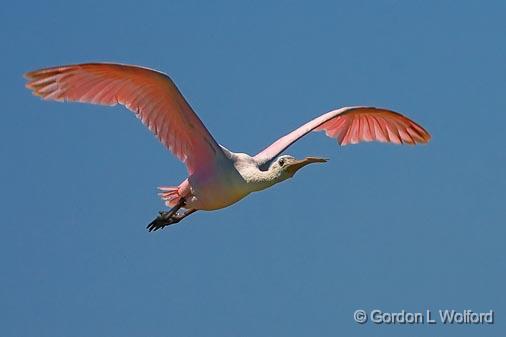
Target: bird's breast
217,190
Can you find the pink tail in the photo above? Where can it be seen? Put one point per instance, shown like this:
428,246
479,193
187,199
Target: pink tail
170,194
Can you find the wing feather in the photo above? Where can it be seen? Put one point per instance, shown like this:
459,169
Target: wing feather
151,95
352,125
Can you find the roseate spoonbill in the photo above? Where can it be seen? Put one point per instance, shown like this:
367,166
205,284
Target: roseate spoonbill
217,177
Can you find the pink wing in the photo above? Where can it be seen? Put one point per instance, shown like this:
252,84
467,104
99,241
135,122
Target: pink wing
352,125
152,95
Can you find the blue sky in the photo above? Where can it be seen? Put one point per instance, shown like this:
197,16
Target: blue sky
378,227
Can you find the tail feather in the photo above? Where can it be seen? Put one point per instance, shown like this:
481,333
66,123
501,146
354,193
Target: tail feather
170,194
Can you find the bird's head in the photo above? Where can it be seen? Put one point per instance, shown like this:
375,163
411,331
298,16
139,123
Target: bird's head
285,167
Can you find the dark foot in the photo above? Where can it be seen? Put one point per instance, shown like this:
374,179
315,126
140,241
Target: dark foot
166,218
163,220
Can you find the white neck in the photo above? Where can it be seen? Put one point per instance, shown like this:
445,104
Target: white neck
255,179
260,180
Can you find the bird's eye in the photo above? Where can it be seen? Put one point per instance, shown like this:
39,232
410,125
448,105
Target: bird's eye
281,162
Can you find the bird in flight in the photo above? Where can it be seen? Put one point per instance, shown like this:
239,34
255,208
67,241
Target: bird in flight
217,177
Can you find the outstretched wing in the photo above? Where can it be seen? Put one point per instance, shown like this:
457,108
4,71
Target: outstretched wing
151,95
352,125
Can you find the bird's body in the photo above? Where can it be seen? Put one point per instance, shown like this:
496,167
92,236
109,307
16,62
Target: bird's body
221,188
239,176
217,177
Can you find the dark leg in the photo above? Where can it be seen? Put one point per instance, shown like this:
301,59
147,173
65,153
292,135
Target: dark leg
172,220
176,218
165,217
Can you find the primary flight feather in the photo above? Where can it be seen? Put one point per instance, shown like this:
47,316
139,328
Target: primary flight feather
217,177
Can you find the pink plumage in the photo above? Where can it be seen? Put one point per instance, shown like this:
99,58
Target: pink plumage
353,125
152,95
217,177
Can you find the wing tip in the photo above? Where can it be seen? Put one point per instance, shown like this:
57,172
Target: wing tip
38,73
